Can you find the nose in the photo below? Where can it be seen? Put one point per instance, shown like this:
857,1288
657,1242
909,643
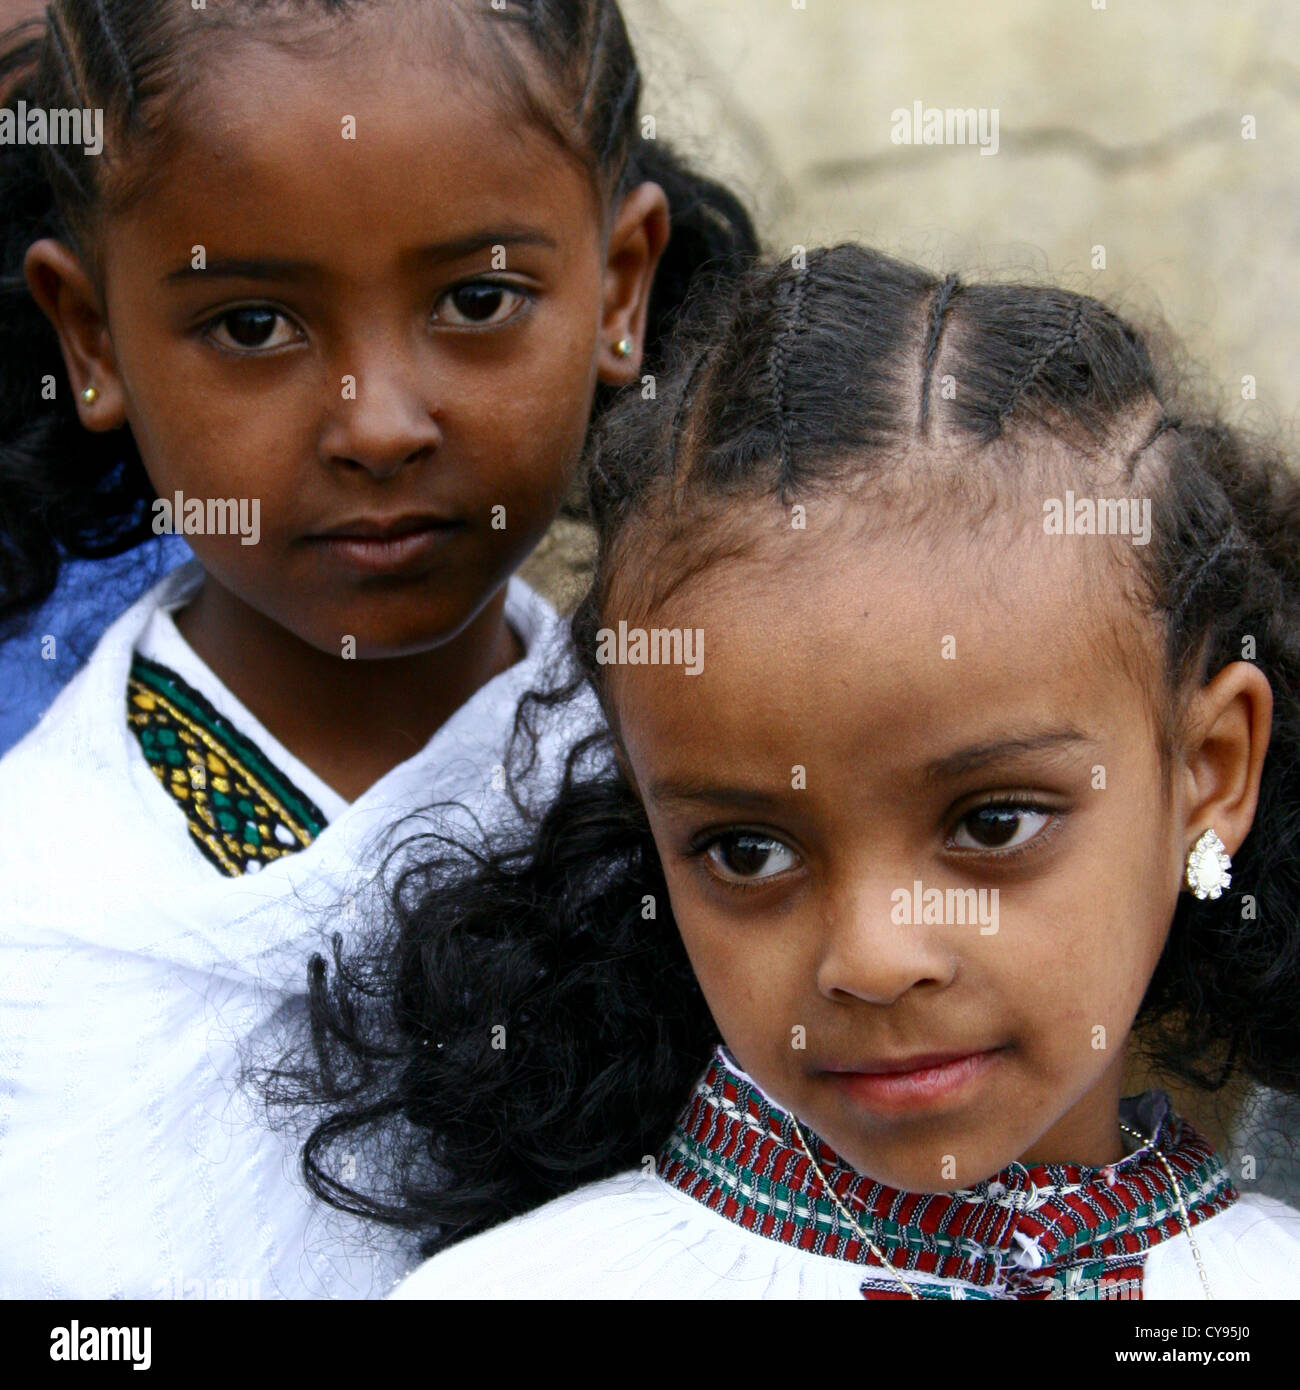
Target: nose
871,948
384,417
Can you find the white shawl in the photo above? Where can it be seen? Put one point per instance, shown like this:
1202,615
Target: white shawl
136,980
634,1237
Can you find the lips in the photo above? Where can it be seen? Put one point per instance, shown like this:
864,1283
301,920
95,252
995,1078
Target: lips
922,1061
892,1086
389,547
393,528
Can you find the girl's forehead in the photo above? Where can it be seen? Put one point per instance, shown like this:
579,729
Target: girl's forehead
1004,576
977,540
375,49
254,67
282,156
895,631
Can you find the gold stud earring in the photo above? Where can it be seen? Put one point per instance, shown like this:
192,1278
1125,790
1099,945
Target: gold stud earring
89,396
623,348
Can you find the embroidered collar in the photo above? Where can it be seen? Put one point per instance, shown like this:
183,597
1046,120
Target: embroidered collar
1044,1231
242,811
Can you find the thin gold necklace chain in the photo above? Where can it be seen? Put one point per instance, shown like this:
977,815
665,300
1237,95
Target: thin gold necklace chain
912,1293
848,1216
1178,1197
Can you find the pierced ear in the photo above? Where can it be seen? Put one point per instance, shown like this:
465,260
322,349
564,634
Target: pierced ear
636,243
1231,720
67,297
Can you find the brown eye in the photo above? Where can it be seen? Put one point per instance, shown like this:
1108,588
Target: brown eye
1001,827
255,328
479,303
749,857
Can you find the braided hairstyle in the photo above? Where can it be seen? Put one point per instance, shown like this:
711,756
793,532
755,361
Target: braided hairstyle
66,491
797,380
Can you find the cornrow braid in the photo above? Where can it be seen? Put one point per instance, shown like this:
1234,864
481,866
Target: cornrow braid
1067,339
600,21
59,46
684,403
118,52
1232,541
943,297
1167,424
778,366
613,475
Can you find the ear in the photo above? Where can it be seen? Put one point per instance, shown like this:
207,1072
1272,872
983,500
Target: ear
636,242
68,298
1229,722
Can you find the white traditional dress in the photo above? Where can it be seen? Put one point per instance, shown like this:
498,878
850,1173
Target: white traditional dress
734,1209
166,870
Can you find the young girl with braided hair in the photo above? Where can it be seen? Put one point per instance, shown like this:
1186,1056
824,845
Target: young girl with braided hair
336,299
821,983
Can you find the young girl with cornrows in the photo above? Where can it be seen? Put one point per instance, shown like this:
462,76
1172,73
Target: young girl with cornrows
734,1021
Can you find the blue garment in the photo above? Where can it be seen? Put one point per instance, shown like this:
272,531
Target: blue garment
53,644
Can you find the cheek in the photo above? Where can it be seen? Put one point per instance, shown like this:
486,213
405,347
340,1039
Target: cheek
751,976
1086,939
216,443
722,967
527,488
561,372
529,460
549,419
1129,916
522,432
1074,978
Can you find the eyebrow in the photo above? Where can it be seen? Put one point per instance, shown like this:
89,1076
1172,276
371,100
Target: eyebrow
687,790
980,754
271,268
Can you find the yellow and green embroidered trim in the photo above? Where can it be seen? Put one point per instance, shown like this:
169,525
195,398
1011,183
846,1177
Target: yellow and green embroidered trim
242,812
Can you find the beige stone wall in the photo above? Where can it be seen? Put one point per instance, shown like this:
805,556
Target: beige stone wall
1119,127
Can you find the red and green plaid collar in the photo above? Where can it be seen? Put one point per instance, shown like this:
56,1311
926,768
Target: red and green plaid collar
1045,1231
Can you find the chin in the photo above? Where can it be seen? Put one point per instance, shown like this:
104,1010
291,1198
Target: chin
386,626
935,1153
926,1171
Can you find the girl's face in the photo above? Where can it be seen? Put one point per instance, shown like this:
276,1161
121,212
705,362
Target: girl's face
367,294
881,727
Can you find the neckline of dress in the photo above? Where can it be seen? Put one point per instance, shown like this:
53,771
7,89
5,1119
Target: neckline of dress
734,1150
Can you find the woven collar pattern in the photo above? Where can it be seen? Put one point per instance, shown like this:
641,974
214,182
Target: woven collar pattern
1046,1231
242,811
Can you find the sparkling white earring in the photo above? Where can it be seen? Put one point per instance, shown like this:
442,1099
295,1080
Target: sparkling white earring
89,396
1207,866
623,348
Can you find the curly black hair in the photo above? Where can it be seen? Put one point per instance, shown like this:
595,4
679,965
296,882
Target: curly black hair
569,64
803,377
